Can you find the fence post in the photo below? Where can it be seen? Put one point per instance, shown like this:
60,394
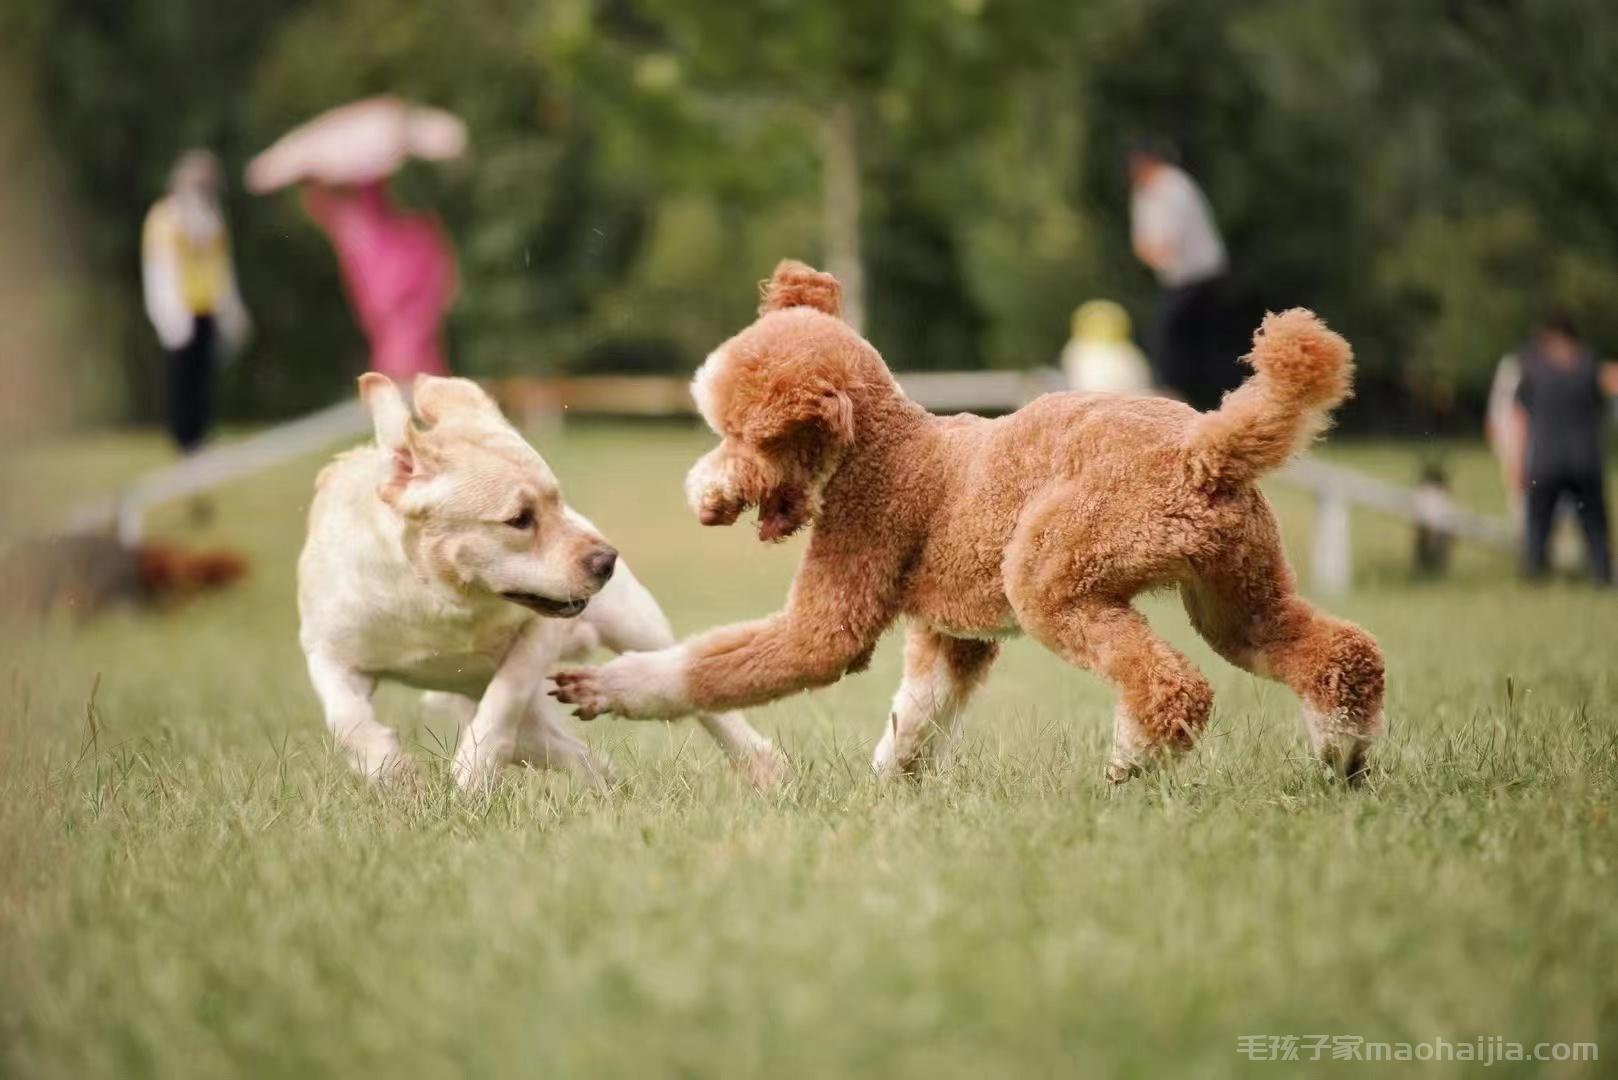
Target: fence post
1334,550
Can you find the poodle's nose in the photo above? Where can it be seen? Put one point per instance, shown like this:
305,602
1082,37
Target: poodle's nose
600,562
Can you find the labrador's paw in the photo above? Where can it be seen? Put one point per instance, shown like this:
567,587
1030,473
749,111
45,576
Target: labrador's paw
382,761
476,768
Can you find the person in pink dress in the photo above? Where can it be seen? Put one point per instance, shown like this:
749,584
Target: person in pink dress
399,272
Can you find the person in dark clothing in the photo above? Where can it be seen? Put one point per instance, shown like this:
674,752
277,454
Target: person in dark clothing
1563,396
1172,231
190,386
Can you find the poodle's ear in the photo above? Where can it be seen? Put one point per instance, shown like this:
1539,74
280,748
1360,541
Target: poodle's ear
836,415
824,409
796,284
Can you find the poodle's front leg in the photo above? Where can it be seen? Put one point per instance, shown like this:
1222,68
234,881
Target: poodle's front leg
940,675
733,667
627,619
845,595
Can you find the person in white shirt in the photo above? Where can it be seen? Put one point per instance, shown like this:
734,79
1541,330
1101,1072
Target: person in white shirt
190,291
1173,232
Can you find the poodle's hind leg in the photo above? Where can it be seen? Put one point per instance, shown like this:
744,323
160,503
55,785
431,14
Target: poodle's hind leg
1163,700
925,722
1075,563
1245,606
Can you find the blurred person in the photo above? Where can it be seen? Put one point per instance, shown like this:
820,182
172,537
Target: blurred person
399,272
1505,429
1173,232
190,292
1562,396
1101,356
1432,498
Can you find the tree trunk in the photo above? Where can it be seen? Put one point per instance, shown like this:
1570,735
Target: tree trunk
840,148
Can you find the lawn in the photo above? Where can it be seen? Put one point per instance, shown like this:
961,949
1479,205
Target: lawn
191,885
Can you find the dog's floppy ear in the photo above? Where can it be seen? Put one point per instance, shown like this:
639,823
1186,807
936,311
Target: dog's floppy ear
796,284
821,406
394,433
389,413
438,398
835,415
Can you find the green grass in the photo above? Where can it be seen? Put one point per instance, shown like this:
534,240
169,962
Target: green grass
190,885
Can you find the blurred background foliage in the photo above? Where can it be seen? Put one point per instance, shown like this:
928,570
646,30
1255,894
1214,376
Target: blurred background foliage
1430,174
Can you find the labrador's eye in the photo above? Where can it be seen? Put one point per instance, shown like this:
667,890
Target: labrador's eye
523,521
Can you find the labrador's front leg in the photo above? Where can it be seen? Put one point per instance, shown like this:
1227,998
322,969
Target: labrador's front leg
490,740
371,747
546,740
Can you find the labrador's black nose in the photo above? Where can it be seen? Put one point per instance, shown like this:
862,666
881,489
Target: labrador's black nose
601,561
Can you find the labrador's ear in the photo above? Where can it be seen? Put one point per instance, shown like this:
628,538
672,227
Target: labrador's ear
438,398
394,433
796,284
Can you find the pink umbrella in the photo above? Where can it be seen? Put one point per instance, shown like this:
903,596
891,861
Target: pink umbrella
358,143
398,267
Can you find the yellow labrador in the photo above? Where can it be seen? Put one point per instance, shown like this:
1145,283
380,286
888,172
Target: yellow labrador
443,557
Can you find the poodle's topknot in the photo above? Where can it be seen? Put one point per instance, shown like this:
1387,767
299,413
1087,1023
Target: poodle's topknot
796,284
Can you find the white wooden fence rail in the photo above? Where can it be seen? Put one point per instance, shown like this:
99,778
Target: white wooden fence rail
1336,488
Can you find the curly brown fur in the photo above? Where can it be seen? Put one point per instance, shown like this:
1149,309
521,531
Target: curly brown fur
1048,521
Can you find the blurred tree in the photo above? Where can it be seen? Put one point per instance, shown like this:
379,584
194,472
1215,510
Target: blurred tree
124,86
895,98
1428,174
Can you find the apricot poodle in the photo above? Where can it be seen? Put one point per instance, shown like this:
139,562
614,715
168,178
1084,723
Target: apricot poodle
1047,522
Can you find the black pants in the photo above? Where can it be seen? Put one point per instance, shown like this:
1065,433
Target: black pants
1189,351
189,378
1588,492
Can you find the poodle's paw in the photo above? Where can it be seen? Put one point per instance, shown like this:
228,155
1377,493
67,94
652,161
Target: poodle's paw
913,764
1348,759
1343,742
765,767
1121,772
583,687
886,758
1127,765
636,686
711,493
717,509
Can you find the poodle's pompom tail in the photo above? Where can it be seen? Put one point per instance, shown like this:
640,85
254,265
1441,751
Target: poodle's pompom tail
1302,371
1302,360
796,284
